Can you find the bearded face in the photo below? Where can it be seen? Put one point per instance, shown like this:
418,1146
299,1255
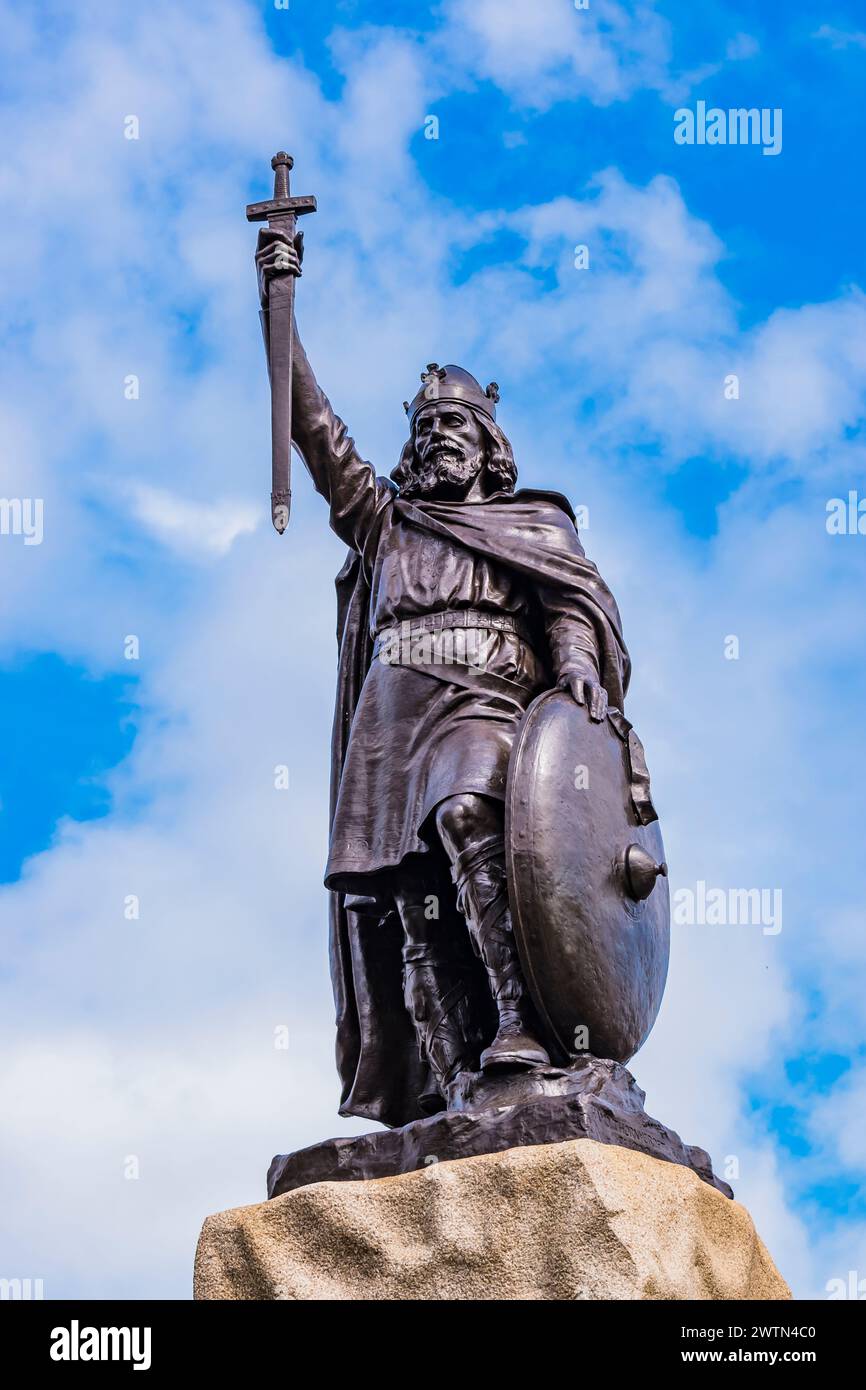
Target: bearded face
449,451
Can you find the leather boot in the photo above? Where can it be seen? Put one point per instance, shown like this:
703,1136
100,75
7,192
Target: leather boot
437,999
482,897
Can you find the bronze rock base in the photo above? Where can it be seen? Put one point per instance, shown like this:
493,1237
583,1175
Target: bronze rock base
592,1098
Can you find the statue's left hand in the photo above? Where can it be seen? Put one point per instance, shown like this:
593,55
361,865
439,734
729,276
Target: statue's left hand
586,690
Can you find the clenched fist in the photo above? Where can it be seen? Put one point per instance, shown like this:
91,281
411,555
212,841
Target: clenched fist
277,255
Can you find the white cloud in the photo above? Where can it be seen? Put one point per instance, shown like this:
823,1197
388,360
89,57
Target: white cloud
837,1121
193,528
840,38
742,46
553,51
651,323
550,50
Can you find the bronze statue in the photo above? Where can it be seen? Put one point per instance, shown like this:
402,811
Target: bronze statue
462,958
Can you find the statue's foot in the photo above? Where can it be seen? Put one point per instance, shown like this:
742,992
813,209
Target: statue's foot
513,1048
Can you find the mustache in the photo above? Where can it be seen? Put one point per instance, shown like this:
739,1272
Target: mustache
444,449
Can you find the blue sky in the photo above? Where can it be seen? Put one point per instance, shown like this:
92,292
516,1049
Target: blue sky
148,774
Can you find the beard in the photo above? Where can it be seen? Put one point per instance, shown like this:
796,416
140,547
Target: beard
447,470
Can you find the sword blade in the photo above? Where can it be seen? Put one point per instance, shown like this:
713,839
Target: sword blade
281,299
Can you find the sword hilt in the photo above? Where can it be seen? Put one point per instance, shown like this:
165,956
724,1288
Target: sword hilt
282,204
282,165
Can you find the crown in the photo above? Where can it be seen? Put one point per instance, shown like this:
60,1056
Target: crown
452,383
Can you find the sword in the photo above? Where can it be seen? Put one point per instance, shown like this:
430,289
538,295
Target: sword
282,211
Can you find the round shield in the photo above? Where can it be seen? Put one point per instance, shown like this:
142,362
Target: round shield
586,878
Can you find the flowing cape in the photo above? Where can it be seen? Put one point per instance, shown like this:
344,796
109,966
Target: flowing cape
533,533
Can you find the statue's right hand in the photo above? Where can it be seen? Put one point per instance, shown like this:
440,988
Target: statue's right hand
276,256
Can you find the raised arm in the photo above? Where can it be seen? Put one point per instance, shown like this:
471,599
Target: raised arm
346,481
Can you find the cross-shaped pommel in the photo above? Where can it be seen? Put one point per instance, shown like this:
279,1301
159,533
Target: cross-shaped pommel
282,205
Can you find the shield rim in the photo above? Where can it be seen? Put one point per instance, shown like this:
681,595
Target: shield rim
560,1052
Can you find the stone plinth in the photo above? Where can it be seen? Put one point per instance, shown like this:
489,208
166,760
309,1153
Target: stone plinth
572,1220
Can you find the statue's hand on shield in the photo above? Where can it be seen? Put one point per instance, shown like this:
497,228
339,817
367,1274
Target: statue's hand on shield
583,683
277,255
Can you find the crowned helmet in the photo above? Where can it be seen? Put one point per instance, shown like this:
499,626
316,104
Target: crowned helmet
452,383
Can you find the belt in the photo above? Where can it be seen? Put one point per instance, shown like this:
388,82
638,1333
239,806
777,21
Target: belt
445,618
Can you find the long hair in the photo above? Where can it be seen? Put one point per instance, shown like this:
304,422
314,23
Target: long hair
498,461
